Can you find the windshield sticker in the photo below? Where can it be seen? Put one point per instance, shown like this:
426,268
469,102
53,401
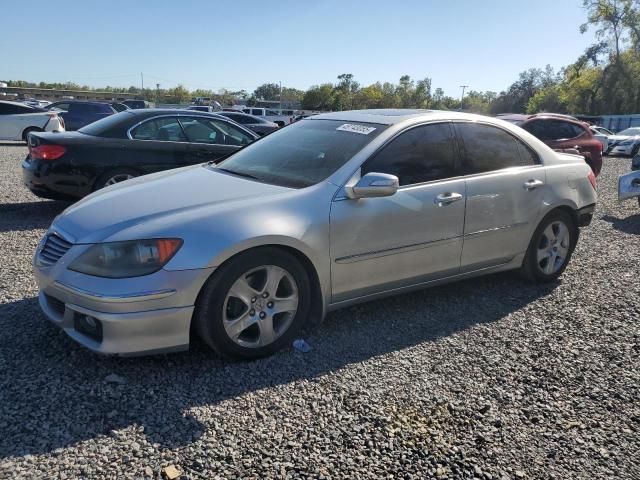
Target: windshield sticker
361,129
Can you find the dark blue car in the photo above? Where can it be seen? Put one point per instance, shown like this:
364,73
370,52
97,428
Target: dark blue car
77,114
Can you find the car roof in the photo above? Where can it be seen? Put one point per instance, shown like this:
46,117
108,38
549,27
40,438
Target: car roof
391,116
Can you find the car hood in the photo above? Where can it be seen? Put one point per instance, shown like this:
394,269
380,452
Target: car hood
619,138
159,202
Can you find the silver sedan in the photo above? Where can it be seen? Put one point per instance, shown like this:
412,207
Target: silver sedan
335,209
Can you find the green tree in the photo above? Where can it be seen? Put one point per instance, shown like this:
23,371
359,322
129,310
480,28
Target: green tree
267,91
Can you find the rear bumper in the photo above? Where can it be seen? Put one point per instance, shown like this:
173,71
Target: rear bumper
585,215
42,179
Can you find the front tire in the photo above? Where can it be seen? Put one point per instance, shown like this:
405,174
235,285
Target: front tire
551,247
254,304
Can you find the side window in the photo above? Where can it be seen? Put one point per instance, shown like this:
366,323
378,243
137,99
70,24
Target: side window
559,130
165,129
246,110
241,119
204,130
61,106
271,113
422,154
538,129
256,111
11,109
489,148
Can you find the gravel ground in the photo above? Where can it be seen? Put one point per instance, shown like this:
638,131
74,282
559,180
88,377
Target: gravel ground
491,378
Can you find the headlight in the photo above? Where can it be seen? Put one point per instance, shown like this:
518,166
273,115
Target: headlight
126,259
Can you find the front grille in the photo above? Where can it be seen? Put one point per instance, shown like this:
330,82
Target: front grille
53,249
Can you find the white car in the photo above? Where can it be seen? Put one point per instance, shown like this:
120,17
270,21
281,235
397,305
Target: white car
600,135
626,142
18,119
269,115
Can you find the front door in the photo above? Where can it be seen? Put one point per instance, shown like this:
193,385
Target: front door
212,139
505,187
413,236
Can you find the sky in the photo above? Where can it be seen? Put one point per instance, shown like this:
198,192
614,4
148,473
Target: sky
242,44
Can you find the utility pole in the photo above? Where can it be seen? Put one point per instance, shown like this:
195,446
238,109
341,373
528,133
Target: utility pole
157,93
462,96
142,85
280,97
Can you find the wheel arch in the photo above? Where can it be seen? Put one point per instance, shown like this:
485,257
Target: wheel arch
31,128
318,300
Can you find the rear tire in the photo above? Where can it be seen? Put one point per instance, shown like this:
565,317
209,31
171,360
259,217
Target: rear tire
254,304
550,248
114,176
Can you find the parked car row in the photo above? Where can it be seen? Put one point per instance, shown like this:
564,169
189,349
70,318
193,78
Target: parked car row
333,210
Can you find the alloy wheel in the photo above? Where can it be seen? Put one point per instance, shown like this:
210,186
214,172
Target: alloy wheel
121,177
553,247
260,306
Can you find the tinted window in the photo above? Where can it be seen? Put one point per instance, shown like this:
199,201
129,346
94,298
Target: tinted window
422,154
113,126
205,130
166,129
11,109
239,118
489,148
271,113
300,155
547,130
59,106
119,107
256,111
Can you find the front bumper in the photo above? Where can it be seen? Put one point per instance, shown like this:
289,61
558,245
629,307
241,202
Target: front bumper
137,333
624,150
135,316
629,185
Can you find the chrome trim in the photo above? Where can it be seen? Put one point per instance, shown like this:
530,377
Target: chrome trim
358,257
495,229
123,298
211,116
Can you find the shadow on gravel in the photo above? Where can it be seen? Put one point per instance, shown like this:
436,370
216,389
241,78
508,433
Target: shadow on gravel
627,225
55,393
29,215
13,144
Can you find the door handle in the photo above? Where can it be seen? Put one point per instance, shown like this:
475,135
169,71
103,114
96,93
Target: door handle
447,198
532,184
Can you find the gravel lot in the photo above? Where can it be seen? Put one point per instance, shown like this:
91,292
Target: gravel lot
491,378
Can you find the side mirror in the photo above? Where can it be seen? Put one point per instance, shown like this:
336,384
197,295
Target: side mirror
374,185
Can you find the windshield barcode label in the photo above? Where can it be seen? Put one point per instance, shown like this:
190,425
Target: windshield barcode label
361,129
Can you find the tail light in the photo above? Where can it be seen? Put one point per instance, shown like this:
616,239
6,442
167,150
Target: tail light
592,179
47,152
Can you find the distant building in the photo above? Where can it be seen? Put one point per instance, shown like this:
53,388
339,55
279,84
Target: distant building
52,94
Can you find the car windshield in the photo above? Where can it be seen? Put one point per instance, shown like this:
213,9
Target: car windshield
630,132
301,154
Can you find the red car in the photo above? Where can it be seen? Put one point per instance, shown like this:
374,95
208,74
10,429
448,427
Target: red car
562,132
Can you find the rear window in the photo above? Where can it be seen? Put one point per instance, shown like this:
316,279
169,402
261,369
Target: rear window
113,126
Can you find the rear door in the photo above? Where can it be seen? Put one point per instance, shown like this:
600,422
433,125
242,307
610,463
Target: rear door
211,139
505,186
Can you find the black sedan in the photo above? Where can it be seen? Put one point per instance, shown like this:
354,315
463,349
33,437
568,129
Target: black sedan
125,145
257,124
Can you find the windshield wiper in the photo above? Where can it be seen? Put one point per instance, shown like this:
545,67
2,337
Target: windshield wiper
239,174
